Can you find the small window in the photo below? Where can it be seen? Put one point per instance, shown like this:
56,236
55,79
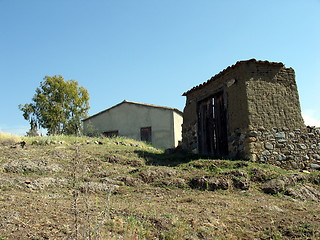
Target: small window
111,133
145,133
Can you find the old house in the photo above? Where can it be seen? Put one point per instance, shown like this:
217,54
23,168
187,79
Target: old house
250,110
160,126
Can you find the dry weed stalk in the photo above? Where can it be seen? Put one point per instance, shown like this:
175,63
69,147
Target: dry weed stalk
82,220
75,194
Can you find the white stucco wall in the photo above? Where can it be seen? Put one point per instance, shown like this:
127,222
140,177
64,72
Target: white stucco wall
177,122
129,118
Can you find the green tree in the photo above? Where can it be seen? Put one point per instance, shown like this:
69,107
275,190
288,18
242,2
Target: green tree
57,106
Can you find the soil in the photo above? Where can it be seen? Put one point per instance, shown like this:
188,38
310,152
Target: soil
130,191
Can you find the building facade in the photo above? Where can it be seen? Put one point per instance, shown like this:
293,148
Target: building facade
250,110
160,126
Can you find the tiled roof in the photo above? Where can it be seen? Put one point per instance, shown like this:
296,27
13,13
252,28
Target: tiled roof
237,64
136,103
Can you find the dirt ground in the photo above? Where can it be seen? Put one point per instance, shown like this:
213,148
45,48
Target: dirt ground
118,190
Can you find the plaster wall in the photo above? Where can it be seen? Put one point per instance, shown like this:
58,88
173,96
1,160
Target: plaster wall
177,124
128,119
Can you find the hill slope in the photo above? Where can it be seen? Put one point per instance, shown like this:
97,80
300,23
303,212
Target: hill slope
123,189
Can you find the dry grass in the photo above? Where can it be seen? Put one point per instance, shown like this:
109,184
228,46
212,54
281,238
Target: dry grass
9,139
132,191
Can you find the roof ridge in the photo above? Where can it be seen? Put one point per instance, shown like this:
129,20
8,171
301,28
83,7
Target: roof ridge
137,103
228,69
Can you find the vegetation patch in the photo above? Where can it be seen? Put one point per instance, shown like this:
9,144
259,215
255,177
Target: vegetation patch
99,188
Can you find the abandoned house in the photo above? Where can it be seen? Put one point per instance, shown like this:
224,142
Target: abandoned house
160,126
250,110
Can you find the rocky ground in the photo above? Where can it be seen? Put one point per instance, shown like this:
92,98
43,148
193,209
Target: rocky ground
122,189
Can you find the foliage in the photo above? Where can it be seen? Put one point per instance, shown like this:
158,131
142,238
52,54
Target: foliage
58,106
91,131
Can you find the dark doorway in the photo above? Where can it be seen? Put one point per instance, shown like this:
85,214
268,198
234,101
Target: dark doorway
212,126
145,134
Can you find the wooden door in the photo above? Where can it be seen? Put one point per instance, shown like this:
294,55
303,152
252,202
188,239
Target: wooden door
212,126
220,119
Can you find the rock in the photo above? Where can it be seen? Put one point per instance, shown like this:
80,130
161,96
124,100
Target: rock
199,183
251,139
302,146
294,165
254,134
150,175
311,135
241,164
279,145
268,146
210,184
315,166
273,186
290,147
266,153
316,156
291,135
280,135
241,183
23,144
304,192
215,183
259,175
306,157
263,159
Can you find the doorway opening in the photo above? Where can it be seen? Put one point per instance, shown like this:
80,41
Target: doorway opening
145,134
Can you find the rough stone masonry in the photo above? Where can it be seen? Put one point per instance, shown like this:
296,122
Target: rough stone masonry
256,109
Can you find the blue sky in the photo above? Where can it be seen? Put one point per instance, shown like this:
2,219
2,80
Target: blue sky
150,51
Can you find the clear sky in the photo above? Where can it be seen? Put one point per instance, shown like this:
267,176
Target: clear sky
150,51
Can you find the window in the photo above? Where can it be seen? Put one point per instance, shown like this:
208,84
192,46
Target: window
111,133
145,134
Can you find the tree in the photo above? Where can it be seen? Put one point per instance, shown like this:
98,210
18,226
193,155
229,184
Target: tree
57,106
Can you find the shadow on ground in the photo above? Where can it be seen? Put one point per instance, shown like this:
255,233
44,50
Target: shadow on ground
172,159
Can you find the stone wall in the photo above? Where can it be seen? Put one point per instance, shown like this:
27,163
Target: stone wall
257,93
287,148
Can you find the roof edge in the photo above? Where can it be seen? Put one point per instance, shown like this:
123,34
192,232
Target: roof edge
136,103
224,71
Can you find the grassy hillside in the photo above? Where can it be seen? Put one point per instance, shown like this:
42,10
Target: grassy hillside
84,188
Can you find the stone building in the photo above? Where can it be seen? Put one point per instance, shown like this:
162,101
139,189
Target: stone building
160,126
250,110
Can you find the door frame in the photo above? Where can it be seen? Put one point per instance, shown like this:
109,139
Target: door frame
212,125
